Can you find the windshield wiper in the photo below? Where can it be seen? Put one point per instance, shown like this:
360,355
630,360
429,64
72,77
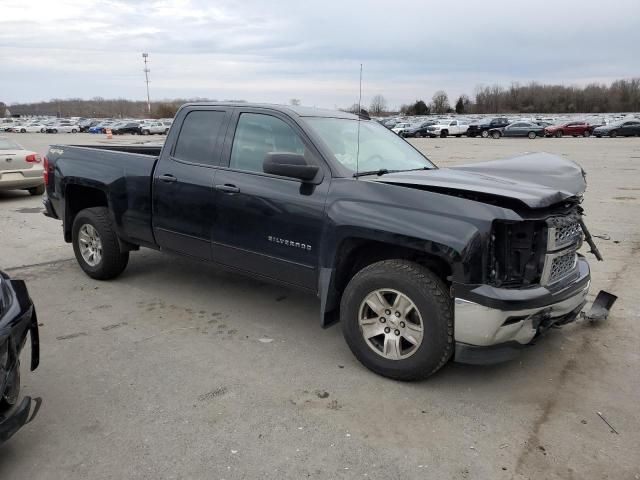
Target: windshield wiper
380,172
383,171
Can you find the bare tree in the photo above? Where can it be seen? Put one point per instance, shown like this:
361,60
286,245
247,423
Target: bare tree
378,105
440,102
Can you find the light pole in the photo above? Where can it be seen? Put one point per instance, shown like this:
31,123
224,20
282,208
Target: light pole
146,76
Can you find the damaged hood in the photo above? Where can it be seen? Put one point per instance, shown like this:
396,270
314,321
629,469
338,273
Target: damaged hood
538,180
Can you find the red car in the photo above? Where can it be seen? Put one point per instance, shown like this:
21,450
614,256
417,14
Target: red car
572,128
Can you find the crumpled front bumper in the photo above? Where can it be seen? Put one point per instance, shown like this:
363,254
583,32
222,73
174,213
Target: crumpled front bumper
497,323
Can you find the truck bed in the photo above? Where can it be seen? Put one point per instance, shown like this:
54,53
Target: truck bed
124,173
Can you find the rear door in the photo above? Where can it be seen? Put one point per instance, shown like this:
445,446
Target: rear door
184,207
266,224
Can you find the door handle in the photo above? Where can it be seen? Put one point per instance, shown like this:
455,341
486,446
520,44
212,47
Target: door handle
228,188
168,178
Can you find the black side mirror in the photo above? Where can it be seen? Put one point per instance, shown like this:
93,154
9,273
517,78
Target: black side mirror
289,165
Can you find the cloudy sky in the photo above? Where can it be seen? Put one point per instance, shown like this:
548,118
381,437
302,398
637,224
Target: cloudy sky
271,51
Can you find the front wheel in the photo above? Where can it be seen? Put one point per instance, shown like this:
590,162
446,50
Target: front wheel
559,134
484,134
531,135
145,132
586,133
495,135
613,134
397,319
96,245
444,134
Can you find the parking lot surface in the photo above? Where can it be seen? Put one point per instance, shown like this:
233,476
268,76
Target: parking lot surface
179,369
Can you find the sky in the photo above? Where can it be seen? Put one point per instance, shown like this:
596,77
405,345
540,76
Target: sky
273,51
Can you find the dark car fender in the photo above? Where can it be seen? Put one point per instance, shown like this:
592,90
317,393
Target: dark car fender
455,241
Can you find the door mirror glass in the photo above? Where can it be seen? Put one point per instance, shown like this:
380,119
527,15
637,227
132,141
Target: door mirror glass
289,165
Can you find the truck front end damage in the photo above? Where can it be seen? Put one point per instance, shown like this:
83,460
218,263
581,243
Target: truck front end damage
536,280
18,321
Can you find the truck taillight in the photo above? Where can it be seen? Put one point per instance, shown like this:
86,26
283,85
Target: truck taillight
33,158
45,172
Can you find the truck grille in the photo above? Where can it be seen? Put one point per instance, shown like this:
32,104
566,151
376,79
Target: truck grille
564,238
563,231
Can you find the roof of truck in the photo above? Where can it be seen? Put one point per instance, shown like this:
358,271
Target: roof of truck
288,109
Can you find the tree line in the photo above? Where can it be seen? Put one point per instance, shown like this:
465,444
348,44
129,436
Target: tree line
619,96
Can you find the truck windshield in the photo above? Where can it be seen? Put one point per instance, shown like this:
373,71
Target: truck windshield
379,147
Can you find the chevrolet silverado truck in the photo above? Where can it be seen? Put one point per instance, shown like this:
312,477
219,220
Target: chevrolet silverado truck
419,264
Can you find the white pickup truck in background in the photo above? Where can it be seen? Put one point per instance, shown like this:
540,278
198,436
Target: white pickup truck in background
445,128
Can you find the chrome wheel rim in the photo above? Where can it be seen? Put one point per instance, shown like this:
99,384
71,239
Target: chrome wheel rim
390,324
90,245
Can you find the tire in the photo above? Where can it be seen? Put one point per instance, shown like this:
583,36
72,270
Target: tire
531,135
39,190
459,136
427,295
146,132
42,130
73,130
111,261
559,134
495,135
444,133
55,130
613,133
485,134
586,134
23,130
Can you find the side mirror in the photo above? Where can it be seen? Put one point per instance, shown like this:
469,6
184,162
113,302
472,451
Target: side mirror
289,165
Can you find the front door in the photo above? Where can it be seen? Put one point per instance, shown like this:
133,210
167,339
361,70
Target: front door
183,196
266,224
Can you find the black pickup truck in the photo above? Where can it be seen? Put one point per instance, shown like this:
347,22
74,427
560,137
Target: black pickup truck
482,127
419,264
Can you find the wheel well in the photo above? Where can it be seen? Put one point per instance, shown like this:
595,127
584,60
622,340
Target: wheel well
77,198
355,254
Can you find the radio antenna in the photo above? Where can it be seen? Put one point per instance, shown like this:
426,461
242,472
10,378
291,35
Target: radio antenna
359,110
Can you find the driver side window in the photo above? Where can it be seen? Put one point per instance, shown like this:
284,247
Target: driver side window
258,134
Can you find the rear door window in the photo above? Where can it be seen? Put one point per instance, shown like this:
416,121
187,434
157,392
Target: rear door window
198,136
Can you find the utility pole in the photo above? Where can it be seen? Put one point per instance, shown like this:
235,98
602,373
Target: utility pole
146,76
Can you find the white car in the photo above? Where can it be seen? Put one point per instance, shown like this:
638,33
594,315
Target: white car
29,128
20,169
63,127
150,128
444,128
400,127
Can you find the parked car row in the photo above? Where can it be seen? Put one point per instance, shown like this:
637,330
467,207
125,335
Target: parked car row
502,127
131,126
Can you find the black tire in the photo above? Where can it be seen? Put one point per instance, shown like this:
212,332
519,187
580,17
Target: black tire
484,134
73,130
432,300
459,136
531,135
586,134
39,190
42,130
113,261
444,133
495,135
146,132
559,134
55,130
613,133
23,130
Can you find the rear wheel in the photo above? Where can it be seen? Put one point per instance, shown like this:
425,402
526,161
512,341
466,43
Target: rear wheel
39,190
145,132
96,245
495,135
484,134
559,134
55,130
531,135
613,134
42,130
444,134
73,130
23,130
397,319
586,133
